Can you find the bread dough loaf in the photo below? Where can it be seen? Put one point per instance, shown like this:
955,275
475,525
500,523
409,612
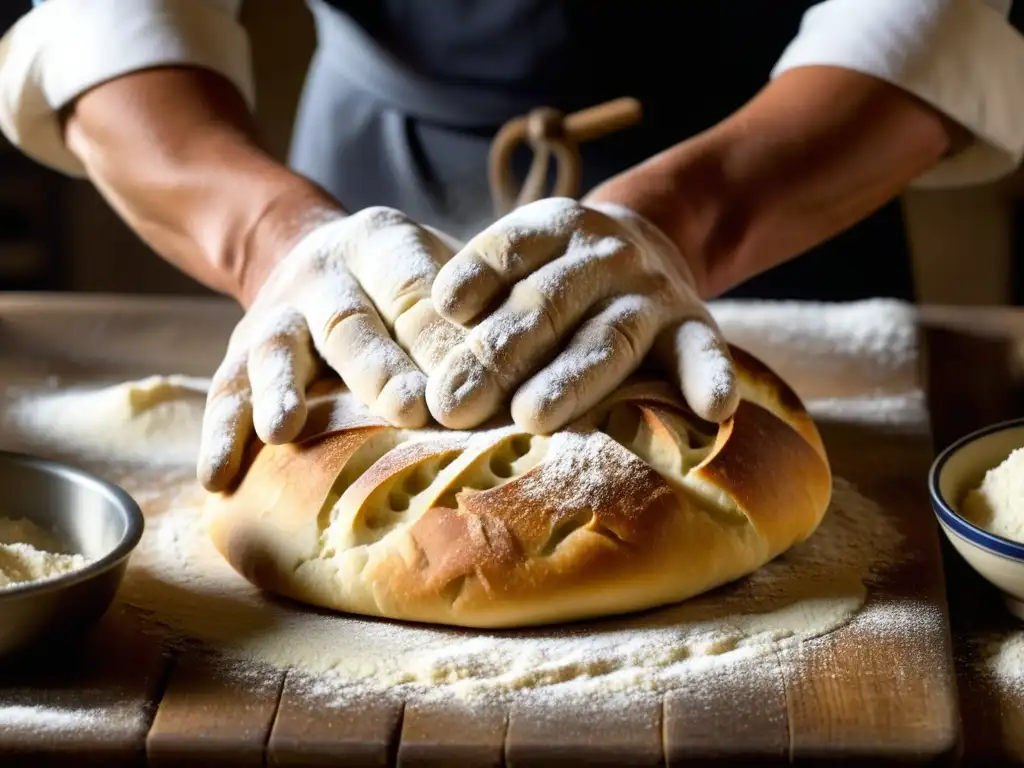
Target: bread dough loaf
637,504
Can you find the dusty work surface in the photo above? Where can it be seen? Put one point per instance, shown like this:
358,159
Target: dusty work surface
976,378
876,683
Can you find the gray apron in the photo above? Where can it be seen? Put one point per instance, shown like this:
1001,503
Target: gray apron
372,131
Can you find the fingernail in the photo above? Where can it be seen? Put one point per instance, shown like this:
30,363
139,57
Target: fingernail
462,287
462,393
402,401
540,412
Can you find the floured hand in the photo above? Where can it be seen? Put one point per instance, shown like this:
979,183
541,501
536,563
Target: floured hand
356,291
585,293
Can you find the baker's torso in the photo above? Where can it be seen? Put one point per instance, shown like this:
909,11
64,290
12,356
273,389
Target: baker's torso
404,96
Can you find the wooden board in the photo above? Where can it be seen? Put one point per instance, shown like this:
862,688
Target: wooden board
851,695
213,716
83,701
975,378
867,694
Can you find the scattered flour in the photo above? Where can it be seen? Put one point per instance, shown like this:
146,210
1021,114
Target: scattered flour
999,657
47,716
829,350
43,720
153,420
179,579
28,554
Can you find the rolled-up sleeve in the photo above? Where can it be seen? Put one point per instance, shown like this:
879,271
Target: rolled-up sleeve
962,57
62,48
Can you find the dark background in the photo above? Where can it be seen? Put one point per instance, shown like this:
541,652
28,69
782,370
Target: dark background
57,234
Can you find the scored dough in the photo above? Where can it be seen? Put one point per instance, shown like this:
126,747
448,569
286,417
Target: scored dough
635,505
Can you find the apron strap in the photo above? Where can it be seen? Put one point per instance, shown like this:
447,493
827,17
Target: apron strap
551,134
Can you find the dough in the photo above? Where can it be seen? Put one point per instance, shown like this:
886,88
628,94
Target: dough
635,505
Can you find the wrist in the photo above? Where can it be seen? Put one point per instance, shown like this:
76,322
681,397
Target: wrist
276,226
681,192
176,153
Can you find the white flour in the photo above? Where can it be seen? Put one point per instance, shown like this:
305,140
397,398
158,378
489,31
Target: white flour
997,504
41,721
179,578
998,657
153,421
29,554
852,349
1005,656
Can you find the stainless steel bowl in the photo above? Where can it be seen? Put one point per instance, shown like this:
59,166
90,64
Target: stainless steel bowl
91,517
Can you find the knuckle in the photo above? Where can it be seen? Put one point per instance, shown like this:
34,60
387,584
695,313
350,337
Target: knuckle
631,319
285,327
378,217
345,317
553,208
627,335
229,373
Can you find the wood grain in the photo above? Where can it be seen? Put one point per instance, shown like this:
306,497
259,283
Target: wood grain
314,729
839,698
85,701
213,716
443,733
753,693
541,736
873,692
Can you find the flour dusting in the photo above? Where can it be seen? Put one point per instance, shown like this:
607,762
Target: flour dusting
44,720
156,420
999,657
181,581
851,349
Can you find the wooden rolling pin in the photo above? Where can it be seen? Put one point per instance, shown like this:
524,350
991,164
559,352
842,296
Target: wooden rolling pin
550,133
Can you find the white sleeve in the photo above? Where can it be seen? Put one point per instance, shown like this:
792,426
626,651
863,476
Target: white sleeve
62,48
960,56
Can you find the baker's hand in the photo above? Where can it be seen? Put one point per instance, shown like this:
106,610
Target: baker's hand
356,291
583,293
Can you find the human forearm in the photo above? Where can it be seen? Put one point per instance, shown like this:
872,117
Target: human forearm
175,152
816,151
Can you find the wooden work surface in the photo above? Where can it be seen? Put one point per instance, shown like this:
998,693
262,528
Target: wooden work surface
976,378
851,696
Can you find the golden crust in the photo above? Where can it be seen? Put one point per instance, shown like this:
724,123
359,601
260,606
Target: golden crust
636,505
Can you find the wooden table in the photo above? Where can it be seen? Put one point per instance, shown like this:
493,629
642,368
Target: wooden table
168,708
975,378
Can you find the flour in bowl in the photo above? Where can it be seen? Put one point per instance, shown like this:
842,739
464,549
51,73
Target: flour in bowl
997,504
30,554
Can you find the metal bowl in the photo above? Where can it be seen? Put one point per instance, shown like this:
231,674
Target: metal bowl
91,517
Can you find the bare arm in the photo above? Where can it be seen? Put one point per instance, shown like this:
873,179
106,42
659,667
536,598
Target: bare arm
819,149
176,153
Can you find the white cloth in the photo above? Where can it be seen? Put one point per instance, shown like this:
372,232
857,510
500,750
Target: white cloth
63,48
961,56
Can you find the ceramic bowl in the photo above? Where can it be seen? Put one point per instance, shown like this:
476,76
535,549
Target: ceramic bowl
92,517
955,471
